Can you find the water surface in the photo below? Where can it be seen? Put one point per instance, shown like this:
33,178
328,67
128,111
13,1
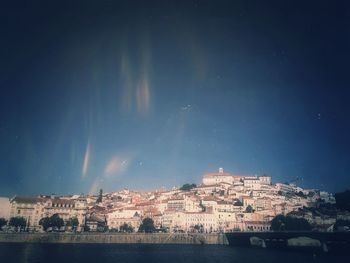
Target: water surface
117,253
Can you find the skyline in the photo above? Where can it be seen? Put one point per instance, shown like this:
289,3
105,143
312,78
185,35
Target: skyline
144,95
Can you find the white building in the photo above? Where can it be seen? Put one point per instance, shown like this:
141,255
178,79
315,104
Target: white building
206,220
115,221
189,221
32,209
265,179
5,208
216,178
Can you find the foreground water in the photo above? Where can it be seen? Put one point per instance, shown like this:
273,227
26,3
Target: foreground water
116,253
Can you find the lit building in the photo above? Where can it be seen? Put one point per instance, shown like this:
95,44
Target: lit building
32,209
219,177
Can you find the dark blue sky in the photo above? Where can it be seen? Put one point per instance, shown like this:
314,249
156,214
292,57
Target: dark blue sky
144,94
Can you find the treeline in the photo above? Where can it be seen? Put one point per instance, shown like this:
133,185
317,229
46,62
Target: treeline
187,187
343,200
56,223
289,223
19,223
53,222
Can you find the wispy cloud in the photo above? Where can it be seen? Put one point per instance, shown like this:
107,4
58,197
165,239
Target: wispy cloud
95,187
116,166
86,160
143,96
136,80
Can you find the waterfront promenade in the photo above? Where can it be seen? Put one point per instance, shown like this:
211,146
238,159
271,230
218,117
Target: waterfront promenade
117,238
327,241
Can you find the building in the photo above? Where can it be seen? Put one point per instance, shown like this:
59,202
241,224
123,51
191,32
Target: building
216,178
257,226
206,222
5,207
265,179
176,204
32,209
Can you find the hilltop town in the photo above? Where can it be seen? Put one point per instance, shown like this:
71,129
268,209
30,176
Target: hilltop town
223,202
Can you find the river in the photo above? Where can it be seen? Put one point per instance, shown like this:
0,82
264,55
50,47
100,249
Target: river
119,253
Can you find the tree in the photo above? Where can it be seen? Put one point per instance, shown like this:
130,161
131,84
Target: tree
45,223
99,199
56,221
147,225
311,194
53,221
73,222
341,224
3,222
289,223
300,194
126,228
18,222
238,203
278,223
198,228
249,209
202,206
343,200
188,187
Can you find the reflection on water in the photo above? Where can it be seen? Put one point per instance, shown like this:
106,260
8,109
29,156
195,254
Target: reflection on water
30,253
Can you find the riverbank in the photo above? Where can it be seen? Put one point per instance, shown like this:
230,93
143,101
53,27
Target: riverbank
324,241
117,238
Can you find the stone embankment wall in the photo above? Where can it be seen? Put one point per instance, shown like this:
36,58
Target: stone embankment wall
118,238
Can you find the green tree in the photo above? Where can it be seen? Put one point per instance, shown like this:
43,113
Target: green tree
188,187
300,194
126,228
341,223
53,221
198,228
99,199
3,222
343,200
289,223
45,223
202,206
56,221
147,225
18,222
238,203
73,222
249,209
278,223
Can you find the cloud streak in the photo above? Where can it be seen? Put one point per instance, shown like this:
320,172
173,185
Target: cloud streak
116,166
136,80
86,160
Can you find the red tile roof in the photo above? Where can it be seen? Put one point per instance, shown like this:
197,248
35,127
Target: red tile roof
28,200
217,174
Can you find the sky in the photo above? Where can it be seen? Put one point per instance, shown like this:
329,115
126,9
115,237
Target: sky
150,94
